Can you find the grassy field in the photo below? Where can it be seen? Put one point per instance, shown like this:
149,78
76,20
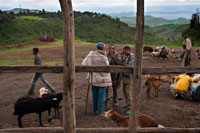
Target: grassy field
179,43
31,18
22,56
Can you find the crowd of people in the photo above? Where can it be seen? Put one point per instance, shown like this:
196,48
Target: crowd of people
102,81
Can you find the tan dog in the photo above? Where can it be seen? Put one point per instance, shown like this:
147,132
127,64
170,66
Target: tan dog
154,81
122,121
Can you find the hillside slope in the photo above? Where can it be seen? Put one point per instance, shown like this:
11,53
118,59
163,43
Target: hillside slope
171,32
27,28
91,27
154,21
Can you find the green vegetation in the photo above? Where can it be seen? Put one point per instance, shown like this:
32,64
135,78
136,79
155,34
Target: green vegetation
6,62
154,21
31,17
179,43
193,31
171,32
27,28
30,47
89,27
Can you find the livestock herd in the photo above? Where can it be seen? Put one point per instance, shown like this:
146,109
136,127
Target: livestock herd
162,52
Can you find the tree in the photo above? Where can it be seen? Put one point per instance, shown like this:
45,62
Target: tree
194,22
194,28
43,11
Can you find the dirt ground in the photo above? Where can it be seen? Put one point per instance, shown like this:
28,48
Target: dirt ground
166,110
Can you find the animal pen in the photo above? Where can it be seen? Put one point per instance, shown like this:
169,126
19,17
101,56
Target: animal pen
68,69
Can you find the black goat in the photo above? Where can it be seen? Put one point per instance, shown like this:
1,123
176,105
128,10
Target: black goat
27,105
56,103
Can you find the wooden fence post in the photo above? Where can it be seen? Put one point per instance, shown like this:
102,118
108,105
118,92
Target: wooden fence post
69,119
137,66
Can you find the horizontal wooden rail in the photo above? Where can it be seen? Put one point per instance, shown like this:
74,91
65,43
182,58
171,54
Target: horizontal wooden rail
79,68
100,130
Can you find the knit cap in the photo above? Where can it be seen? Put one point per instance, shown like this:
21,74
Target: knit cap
100,46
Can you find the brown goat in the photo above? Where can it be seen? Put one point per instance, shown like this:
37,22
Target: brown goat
123,121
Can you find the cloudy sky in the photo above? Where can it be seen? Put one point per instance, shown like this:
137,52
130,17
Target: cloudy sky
91,5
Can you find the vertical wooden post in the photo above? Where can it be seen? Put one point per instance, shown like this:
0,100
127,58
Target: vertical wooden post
137,66
69,119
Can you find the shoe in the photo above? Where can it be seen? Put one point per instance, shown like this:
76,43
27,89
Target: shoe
124,106
128,112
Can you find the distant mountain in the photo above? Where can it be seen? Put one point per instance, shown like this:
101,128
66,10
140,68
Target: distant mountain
123,14
171,15
17,10
160,14
154,21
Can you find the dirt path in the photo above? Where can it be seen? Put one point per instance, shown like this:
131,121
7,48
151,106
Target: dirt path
166,110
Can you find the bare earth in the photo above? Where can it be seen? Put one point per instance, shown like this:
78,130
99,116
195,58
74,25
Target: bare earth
166,110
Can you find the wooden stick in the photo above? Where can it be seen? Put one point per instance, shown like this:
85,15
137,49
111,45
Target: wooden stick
86,102
69,119
137,67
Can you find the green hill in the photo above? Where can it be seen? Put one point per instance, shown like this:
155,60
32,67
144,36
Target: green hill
171,32
154,21
27,28
91,27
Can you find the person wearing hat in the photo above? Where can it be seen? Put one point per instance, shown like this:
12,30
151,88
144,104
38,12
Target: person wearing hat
99,81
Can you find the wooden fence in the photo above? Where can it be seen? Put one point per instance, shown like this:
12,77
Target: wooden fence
100,130
68,69
79,69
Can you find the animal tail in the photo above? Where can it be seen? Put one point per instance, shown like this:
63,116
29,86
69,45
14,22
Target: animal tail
160,126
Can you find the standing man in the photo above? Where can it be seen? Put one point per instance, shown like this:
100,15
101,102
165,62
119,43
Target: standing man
127,59
99,81
114,59
187,45
38,61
